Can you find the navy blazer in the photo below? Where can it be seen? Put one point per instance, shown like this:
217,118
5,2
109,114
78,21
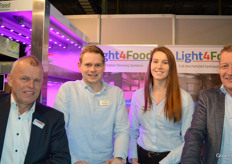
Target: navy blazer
47,145
207,125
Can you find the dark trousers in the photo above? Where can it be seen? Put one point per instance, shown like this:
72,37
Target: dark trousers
148,157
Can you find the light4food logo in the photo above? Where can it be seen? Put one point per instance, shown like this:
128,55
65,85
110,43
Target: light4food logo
126,56
5,5
212,56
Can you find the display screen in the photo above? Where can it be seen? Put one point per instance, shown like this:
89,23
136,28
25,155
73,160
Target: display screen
2,83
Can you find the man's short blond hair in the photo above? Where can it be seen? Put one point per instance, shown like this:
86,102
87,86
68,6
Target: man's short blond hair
31,59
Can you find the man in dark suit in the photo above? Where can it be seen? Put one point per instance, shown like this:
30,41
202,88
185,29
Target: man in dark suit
29,131
212,120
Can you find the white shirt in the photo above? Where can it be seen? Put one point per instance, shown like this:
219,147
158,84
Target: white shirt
17,135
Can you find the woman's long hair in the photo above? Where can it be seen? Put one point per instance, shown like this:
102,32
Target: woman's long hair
173,103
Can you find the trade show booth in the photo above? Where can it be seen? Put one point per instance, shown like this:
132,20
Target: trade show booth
37,27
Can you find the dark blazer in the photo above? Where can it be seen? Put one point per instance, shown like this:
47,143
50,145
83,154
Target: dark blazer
207,125
47,145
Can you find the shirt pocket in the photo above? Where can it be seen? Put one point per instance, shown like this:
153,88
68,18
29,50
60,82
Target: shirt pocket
104,108
103,104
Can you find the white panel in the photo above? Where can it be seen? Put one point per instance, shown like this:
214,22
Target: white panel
136,29
16,5
203,30
88,24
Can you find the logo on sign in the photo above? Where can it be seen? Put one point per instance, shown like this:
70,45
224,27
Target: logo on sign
5,5
212,56
126,56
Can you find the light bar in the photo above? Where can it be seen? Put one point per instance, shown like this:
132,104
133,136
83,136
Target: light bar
22,33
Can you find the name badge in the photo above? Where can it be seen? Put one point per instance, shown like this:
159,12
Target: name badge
38,123
148,108
104,102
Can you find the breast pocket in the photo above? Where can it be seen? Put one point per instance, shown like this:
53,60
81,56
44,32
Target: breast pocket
104,106
104,112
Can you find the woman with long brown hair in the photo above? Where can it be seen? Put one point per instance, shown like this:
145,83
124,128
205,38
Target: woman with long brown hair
160,113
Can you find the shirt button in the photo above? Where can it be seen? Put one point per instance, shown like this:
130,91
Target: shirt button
17,134
19,118
16,150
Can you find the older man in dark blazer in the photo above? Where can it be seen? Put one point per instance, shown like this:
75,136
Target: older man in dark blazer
29,131
212,120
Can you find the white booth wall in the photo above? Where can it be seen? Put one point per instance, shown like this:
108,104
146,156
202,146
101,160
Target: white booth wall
155,29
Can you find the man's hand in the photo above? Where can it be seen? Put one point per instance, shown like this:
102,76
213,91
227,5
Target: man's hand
134,161
115,161
81,162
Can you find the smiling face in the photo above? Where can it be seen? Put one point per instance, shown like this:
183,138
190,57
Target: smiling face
225,69
25,82
159,66
92,69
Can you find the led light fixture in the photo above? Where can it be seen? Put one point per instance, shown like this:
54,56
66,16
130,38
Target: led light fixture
19,29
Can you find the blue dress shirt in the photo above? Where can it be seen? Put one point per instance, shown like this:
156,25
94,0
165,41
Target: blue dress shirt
225,156
154,132
97,124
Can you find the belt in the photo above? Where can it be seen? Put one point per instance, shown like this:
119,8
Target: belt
152,154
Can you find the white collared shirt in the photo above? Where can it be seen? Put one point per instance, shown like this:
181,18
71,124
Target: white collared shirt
17,135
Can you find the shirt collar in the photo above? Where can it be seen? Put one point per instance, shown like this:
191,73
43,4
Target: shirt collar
89,88
15,107
223,89
12,100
